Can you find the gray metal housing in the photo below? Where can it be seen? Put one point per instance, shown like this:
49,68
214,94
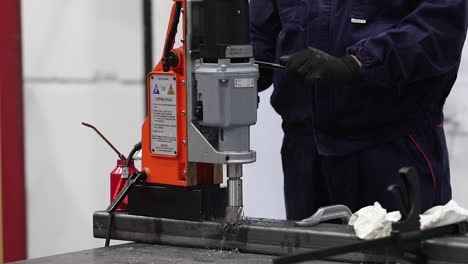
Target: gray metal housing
228,92
227,104
230,151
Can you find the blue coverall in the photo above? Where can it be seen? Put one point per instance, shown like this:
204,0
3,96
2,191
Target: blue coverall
344,144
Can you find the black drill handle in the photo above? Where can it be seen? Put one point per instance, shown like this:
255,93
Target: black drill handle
269,65
409,200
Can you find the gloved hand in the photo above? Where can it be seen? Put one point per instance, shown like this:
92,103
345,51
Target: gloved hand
313,64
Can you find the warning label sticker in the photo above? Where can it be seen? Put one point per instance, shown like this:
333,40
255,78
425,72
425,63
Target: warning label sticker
163,115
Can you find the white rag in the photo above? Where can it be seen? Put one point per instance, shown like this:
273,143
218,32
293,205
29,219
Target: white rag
443,215
373,222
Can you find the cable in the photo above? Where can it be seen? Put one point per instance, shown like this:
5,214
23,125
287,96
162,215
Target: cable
132,181
109,225
137,177
136,148
171,37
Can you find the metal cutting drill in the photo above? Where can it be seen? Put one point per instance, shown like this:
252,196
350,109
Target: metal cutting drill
202,100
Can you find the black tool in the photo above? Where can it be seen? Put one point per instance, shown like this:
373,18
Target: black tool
269,65
405,240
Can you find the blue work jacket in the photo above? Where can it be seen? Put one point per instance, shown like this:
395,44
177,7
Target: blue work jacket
410,51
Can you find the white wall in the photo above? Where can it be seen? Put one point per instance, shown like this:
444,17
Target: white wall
67,166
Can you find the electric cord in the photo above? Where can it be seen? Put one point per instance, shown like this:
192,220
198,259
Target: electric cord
131,182
136,148
171,37
126,168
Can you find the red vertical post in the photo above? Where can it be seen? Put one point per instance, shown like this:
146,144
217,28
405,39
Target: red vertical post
11,125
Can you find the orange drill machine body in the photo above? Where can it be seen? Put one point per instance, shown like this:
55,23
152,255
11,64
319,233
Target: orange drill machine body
164,133
202,99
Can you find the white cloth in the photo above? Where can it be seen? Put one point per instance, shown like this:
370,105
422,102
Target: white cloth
373,222
443,215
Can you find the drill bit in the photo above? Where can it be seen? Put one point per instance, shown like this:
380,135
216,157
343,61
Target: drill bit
234,214
235,209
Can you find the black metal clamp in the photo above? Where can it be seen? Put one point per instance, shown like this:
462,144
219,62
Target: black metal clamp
406,238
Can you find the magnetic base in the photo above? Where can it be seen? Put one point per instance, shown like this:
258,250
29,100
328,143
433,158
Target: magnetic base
198,203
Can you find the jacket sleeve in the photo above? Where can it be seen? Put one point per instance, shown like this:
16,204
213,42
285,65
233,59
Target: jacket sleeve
265,26
424,44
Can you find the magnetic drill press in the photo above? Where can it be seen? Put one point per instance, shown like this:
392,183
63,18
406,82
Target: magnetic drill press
202,100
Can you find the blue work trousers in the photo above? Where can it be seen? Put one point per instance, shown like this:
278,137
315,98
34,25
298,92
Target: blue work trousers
312,180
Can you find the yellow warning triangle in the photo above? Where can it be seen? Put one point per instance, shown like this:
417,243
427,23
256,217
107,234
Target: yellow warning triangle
171,90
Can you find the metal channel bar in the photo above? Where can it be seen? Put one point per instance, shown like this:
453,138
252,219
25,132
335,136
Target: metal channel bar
262,236
273,237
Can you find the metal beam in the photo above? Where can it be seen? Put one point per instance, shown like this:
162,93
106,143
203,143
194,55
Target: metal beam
263,236
260,236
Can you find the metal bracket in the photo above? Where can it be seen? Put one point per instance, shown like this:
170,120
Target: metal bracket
200,150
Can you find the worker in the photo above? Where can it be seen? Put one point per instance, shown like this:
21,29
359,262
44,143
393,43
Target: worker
361,96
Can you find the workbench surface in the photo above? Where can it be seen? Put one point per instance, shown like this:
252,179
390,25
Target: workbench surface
137,253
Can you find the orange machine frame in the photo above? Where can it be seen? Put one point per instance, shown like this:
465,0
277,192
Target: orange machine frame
175,170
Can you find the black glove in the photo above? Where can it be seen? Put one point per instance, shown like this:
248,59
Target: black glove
312,64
